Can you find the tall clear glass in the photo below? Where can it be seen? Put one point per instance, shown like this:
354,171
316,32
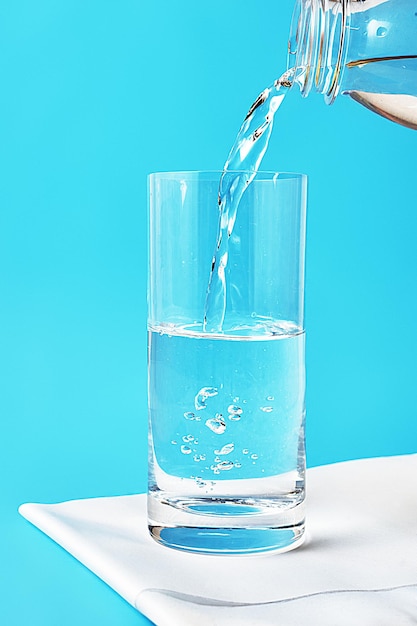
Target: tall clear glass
226,407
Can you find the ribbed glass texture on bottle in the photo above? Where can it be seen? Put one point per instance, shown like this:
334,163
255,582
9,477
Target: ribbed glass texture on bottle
364,49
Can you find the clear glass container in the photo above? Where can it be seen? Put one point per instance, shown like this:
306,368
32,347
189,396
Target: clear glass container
364,49
226,406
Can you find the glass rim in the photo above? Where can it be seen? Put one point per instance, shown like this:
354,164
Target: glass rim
267,175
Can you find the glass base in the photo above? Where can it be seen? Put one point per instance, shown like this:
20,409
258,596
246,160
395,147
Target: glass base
233,529
233,541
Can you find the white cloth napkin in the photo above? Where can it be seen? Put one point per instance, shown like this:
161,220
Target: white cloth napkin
358,565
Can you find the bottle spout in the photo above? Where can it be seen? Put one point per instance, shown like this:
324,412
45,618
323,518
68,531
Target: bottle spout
317,45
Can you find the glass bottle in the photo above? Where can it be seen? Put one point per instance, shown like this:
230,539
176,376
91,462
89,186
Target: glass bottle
364,49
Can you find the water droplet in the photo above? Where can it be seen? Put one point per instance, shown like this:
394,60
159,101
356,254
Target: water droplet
186,449
254,457
202,457
237,464
270,398
189,415
174,443
226,449
236,399
188,438
267,409
216,424
203,394
381,31
197,458
245,451
217,459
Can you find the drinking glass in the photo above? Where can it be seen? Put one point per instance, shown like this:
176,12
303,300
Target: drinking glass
226,404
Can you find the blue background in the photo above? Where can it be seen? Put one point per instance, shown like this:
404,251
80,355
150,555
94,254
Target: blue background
94,96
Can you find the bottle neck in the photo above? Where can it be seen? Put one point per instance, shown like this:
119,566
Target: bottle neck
318,44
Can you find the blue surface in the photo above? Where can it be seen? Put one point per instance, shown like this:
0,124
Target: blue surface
94,96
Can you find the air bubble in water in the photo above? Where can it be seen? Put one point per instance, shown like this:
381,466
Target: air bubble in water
225,465
234,412
267,409
245,451
254,457
270,398
188,438
203,394
237,464
217,424
186,449
189,415
174,443
226,449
